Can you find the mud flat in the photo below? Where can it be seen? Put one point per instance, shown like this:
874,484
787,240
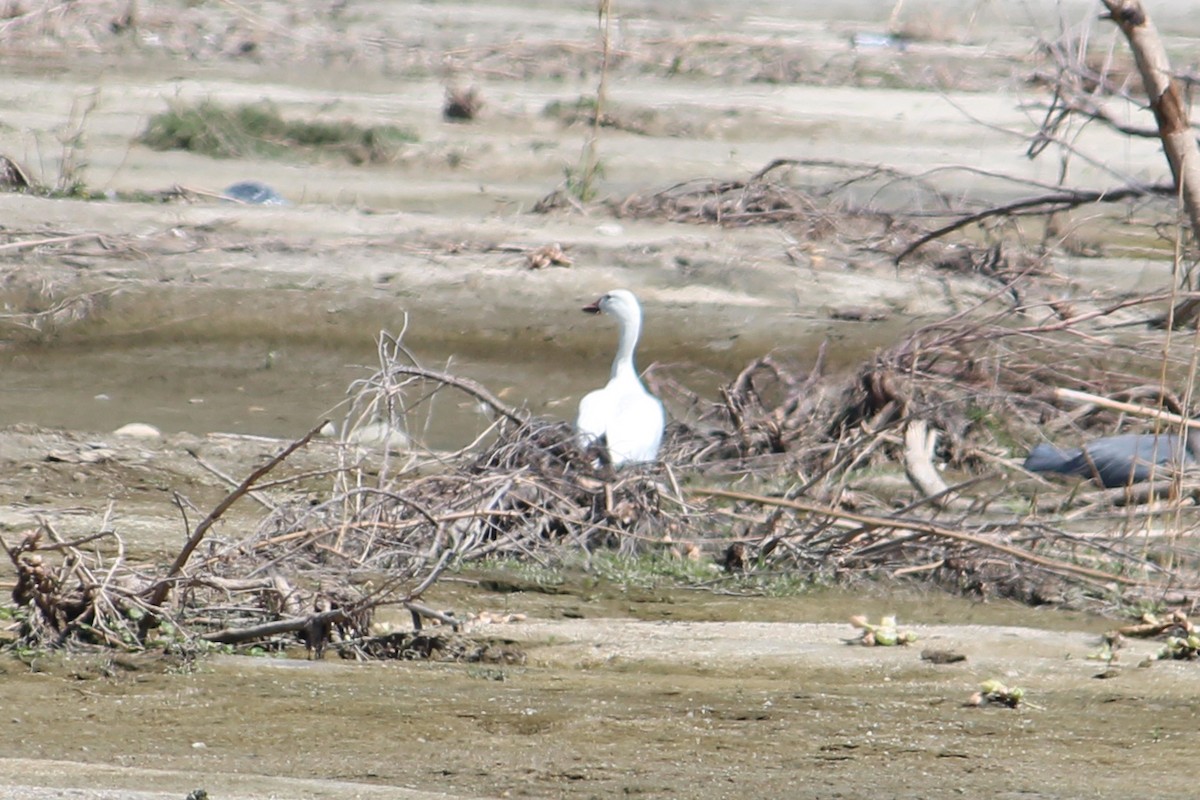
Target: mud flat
222,324
606,706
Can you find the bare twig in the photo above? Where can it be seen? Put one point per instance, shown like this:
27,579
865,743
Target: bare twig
467,385
1041,204
159,591
922,527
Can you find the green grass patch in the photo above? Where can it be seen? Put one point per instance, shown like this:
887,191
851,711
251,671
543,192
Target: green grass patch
574,574
259,130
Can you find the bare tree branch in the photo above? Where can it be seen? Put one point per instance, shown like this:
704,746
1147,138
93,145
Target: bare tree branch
160,590
1166,100
1041,204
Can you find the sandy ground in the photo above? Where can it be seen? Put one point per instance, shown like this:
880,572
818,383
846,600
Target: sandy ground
612,706
252,321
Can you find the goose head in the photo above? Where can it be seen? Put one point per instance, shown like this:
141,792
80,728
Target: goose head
619,303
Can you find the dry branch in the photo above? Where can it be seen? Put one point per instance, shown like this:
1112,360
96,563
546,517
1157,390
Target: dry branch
266,630
159,591
1166,100
1157,414
471,387
919,445
1170,115
1041,204
924,528
30,244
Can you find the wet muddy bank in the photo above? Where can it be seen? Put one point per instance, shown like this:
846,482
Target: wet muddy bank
219,324
610,706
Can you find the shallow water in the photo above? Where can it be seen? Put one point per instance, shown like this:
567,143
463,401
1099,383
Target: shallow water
247,388
256,321
212,379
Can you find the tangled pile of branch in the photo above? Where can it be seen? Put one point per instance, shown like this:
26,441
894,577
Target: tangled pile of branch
773,196
965,398
788,470
386,533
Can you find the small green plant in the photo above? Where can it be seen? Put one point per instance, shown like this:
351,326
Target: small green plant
570,112
529,571
989,421
72,139
649,570
583,186
211,129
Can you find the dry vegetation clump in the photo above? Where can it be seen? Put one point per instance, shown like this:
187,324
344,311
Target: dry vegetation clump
862,210
866,210
389,529
462,105
956,402
279,33
907,468
530,490
71,594
771,196
729,203
523,488
211,129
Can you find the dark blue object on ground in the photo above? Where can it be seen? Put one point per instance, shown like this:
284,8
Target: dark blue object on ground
1119,460
254,193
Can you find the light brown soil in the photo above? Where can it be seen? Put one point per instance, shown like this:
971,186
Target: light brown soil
218,319
611,706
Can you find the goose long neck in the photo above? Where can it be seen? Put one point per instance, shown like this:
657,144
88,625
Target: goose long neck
631,328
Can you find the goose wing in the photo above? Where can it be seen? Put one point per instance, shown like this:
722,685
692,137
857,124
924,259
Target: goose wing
635,430
595,409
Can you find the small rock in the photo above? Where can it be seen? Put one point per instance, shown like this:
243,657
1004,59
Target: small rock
942,656
858,314
95,456
138,430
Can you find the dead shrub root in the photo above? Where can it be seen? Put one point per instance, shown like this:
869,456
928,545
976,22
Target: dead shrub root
904,469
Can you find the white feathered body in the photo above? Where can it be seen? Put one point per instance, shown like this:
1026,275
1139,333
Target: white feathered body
628,418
